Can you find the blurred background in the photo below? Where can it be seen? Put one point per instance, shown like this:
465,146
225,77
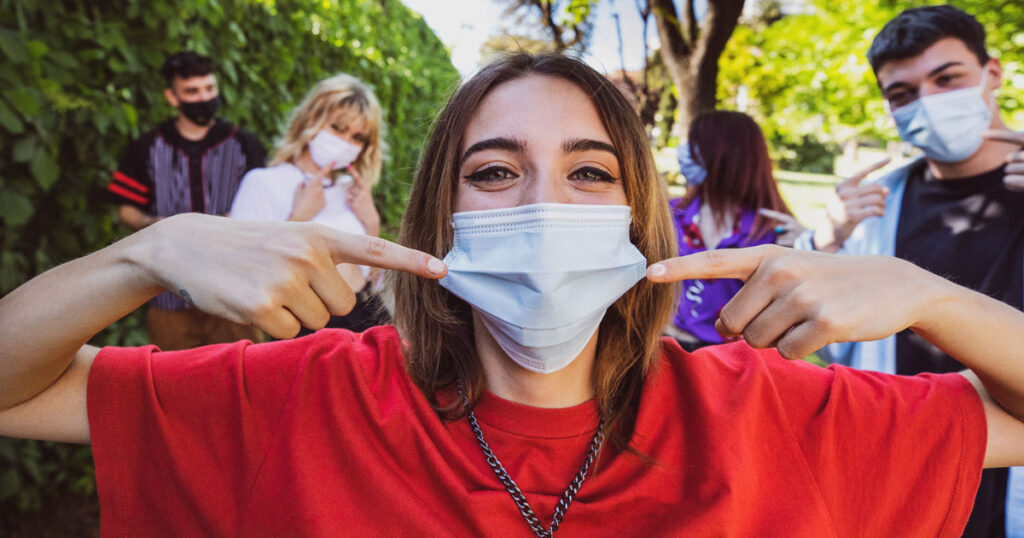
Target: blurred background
79,79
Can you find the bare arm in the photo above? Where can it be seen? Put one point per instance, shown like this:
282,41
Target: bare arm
800,301
275,275
134,217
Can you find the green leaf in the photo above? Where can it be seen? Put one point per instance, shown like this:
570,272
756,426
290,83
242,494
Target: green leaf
13,47
26,101
10,483
9,120
24,149
15,208
45,169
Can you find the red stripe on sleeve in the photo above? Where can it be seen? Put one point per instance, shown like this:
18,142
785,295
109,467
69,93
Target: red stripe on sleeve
119,176
123,192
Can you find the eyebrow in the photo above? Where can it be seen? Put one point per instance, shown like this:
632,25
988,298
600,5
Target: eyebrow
505,143
931,73
577,145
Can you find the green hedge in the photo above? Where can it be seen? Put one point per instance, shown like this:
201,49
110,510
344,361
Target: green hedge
78,79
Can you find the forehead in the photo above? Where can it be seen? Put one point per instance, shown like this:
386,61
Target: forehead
350,117
195,82
537,109
913,69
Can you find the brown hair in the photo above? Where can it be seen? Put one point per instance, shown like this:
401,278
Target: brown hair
732,149
437,326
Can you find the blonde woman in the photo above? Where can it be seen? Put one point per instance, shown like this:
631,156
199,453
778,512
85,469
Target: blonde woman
322,171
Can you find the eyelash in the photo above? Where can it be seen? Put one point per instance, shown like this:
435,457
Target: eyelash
486,174
601,174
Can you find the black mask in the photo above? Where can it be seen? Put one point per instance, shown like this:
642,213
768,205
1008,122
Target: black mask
200,112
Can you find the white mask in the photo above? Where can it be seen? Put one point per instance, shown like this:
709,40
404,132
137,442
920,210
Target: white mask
946,126
541,276
326,147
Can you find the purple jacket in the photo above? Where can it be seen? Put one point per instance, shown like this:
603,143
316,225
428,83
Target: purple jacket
700,301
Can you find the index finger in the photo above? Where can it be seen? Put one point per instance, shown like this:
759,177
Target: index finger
777,215
376,252
720,263
1000,135
856,178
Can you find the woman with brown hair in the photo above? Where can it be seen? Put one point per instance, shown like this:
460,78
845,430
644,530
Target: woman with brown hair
732,201
527,391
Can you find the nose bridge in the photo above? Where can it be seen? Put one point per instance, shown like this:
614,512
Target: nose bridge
545,185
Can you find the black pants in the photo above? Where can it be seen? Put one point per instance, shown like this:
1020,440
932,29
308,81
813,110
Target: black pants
368,312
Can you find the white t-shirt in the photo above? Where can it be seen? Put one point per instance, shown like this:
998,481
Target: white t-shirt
269,193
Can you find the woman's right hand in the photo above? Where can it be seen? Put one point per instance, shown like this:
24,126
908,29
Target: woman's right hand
274,275
309,195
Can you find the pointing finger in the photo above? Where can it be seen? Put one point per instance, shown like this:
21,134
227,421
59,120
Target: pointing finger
376,252
1000,135
725,263
856,178
777,215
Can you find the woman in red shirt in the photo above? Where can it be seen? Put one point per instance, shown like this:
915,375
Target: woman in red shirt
528,391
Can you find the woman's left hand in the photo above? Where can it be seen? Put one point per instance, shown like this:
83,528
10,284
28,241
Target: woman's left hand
360,201
800,301
787,229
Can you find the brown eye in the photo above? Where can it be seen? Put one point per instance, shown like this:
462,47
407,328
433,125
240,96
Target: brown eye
589,173
491,174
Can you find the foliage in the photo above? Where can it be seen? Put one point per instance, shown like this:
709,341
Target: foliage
557,24
805,77
79,78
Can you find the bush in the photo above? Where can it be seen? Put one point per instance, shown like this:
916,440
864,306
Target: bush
80,78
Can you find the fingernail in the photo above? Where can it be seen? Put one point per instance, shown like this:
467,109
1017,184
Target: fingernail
435,266
656,270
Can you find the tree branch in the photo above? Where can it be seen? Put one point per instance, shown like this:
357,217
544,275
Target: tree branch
690,27
667,21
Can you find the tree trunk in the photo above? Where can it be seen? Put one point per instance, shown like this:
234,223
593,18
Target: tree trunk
691,51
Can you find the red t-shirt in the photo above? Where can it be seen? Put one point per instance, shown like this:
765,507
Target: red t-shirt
326,435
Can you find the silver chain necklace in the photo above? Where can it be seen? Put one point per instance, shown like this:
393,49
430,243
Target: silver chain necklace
510,485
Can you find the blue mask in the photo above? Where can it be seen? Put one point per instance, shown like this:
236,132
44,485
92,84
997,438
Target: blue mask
946,126
694,173
540,277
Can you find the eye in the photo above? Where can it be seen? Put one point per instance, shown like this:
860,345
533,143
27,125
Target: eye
360,138
591,174
899,99
945,80
491,174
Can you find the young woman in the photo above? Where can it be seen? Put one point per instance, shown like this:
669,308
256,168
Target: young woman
732,201
513,400
322,171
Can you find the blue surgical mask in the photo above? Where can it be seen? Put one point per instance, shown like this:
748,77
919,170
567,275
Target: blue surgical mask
946,126
694,173
540,277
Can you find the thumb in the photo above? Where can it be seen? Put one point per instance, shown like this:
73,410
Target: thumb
711,264
1000,135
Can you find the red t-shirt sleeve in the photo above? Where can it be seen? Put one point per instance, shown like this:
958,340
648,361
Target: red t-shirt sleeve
891,454
187,431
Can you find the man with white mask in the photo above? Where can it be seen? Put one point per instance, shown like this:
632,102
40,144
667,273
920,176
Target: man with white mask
957,212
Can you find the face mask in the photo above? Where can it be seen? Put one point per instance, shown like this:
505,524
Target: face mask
326,147
946,126
541,276
200,112
694,173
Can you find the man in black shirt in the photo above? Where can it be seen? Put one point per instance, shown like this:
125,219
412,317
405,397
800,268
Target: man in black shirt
952,212
193,162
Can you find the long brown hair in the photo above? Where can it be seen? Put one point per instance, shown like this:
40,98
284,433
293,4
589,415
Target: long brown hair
733,150
437,326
